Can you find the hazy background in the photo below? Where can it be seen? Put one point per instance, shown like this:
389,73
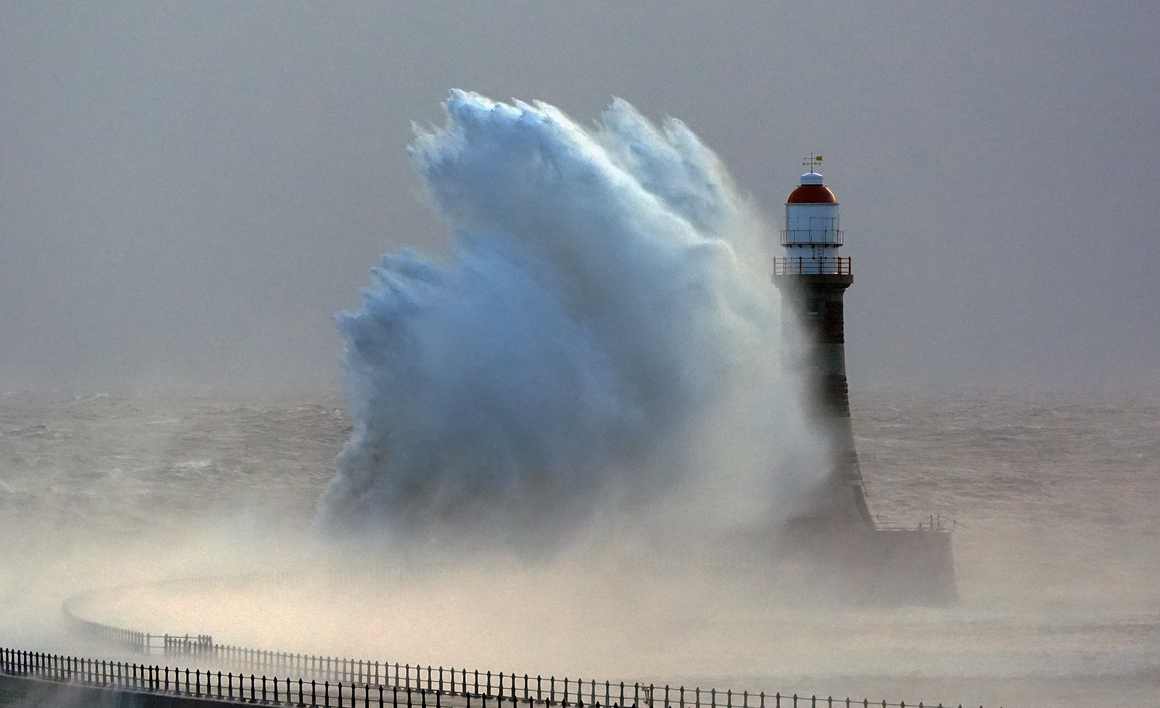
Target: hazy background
190,191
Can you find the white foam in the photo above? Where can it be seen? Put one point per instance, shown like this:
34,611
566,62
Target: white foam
607,329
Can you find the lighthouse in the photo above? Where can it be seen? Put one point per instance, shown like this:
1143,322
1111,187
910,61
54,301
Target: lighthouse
850,551
812,278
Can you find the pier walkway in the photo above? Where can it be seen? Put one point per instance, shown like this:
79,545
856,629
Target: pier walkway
195,671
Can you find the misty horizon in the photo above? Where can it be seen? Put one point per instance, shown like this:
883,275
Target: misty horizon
190,195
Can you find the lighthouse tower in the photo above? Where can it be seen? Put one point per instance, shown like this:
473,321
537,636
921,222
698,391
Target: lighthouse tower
812,277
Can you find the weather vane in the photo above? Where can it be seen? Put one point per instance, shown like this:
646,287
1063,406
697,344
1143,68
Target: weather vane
812,161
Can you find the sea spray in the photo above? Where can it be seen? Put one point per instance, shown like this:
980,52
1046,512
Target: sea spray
605,331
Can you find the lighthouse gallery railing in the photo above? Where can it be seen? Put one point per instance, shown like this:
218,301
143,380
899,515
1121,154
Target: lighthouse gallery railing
813,266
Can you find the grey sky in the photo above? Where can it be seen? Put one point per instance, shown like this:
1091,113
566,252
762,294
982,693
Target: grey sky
189,191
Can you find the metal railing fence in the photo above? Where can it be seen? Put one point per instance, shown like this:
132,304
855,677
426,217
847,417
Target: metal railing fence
403,690
838,265
795,237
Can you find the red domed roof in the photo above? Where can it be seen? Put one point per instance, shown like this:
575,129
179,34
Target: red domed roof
812,194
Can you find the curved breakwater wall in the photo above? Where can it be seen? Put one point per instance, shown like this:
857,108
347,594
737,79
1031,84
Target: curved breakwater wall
233,674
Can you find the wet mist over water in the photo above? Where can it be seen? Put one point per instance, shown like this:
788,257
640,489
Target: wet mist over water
1057,563
605,331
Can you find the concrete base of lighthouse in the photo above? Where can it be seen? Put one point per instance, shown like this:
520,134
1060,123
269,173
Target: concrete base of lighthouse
855,564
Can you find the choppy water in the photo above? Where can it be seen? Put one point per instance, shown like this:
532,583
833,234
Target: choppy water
1057,553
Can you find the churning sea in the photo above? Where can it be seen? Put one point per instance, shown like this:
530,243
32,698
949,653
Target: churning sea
1054,498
